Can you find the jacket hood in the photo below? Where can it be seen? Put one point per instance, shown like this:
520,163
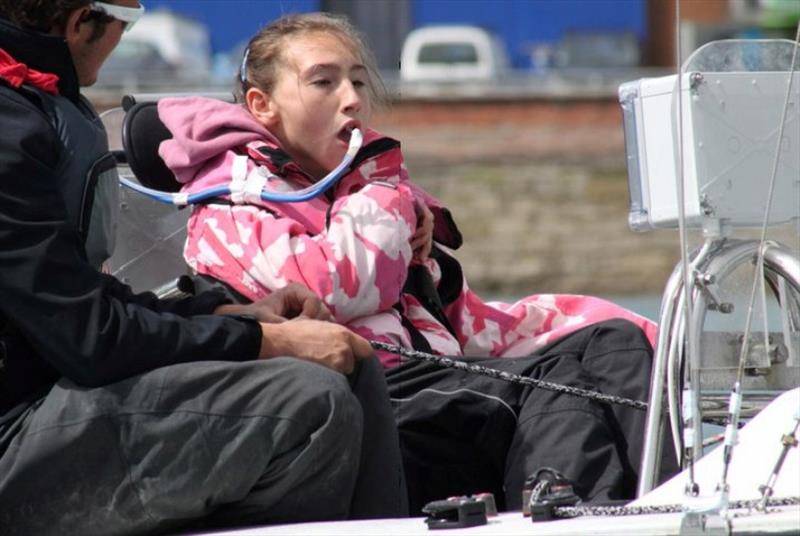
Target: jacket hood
203,129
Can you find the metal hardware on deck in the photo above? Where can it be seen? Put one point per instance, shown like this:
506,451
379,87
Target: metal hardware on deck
700,524
715,261
455,512
706,516
761,356
788,441
545,490
544,508
704,282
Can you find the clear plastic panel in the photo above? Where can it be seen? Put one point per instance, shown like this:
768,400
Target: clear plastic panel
150,235
150,238
743,55
735,114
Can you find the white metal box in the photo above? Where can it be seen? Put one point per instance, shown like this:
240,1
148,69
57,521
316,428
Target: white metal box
731,123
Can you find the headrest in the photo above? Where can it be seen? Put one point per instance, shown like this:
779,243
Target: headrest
142,133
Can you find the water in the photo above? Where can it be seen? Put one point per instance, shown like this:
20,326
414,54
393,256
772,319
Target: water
646,305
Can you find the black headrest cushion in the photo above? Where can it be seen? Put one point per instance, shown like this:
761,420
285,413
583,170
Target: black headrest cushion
142,133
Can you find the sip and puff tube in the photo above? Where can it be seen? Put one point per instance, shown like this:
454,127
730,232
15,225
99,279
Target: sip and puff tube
183,199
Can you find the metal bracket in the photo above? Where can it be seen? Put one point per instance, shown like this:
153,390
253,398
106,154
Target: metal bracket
703,524
761,355
704,281
706,516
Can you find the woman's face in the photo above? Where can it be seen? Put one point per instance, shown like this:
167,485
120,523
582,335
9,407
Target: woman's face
320,94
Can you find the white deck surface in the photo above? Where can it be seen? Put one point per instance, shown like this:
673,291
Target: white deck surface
752,463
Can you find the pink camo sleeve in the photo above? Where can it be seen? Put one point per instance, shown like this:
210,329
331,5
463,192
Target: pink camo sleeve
517,329
357,266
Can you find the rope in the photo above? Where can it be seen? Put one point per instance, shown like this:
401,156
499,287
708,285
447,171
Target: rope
577,511
447,362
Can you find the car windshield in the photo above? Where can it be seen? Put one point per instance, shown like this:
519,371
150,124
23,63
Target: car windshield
448,53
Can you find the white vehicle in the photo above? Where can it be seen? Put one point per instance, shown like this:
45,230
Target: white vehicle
162,48
452,53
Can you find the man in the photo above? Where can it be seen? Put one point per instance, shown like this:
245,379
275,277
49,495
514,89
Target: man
122,413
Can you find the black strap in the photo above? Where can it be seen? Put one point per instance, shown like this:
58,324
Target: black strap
452,280
418,340
419,284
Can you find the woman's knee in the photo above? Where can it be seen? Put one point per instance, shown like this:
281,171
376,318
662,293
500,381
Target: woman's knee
623,334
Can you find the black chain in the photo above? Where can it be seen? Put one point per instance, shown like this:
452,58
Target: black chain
447,362
577,511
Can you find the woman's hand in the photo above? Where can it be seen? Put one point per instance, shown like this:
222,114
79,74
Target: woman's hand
422,239
292,301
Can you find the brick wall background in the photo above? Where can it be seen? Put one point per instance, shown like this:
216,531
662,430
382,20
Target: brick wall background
539,190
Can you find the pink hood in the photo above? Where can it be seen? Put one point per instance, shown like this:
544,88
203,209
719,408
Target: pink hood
203,129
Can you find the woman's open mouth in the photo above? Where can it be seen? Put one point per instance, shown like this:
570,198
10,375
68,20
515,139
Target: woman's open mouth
345,133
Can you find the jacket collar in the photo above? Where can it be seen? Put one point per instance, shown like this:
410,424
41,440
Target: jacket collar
45,53
374,144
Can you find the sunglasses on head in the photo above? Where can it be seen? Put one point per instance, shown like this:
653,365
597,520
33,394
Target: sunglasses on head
127,15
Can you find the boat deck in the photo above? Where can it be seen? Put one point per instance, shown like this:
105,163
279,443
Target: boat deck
753,461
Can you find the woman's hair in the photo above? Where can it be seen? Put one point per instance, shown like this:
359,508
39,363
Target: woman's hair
264,52
44,15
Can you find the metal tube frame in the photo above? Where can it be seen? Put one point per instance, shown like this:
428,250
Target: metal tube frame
718,257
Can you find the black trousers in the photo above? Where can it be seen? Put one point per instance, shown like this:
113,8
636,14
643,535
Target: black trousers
200,445
461,433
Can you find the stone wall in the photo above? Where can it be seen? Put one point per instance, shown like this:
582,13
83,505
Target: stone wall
539,190
548,227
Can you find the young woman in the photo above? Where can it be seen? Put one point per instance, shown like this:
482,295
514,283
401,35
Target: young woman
373,248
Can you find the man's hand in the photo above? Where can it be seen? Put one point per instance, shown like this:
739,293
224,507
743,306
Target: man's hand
292,301
422,239
325,343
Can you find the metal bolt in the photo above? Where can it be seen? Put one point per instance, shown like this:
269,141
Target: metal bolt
726,308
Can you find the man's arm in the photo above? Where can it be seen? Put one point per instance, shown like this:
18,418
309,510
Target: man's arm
71,314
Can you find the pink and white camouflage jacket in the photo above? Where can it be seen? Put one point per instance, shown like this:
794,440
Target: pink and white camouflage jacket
351,245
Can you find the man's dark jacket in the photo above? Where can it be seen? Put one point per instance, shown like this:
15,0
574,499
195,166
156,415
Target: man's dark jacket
59,316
